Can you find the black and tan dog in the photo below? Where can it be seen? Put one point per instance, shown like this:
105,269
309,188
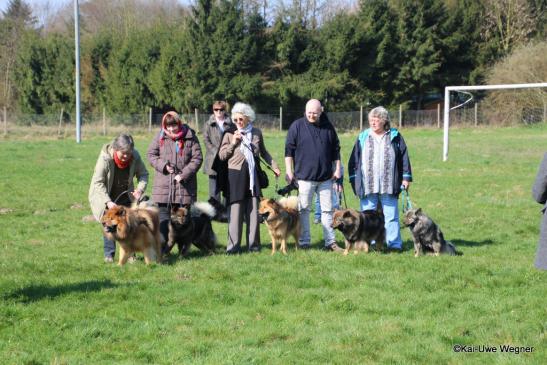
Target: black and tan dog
282,219
426,234
360,228
192,225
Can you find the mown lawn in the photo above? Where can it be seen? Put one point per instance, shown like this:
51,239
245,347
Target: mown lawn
60,304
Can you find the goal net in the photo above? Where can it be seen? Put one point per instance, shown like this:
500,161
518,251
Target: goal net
493,105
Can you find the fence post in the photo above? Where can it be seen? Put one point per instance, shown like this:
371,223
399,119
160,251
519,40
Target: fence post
60,121
439,115
400,116
104,122
197,123
476,111
361,118
150,120
5,121
280,118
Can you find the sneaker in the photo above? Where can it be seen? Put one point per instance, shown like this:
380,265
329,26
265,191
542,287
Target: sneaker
333,247
304,246
108,259
132,259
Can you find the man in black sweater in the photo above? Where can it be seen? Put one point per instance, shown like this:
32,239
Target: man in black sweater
313,148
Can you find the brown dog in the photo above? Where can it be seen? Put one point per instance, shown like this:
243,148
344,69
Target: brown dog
360,228
282,219
135,229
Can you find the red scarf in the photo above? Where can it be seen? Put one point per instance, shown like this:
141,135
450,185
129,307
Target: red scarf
178,137
120,163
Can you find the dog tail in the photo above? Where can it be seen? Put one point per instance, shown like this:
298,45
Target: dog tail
451,249
290,202
200,208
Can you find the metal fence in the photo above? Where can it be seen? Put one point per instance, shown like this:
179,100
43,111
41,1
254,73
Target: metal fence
103,123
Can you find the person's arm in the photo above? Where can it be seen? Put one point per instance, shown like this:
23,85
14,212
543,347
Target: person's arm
227,148
290,149
153,155
141,173
98,194
266,155
407,169
195,162
207,138
539,190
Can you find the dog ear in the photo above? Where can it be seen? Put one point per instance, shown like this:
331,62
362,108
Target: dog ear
121,211
418,211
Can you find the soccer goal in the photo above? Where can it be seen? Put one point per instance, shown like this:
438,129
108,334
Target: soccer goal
466,90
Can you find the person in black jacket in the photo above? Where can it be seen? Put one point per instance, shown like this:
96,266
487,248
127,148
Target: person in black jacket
312,148
539,192
379,167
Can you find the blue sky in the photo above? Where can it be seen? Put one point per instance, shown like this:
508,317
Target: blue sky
55,4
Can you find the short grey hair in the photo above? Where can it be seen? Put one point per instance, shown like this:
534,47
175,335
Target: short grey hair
245,109
381,113
124,143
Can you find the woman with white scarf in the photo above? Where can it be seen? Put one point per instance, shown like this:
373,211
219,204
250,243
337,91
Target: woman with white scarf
241,147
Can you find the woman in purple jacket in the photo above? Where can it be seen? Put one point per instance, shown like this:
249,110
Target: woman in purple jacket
175,154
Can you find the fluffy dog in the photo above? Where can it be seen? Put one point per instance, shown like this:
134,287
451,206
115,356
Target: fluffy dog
360,228
221,212
426,234
192,225
282,219
135,229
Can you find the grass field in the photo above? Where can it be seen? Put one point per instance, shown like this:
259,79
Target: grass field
60,304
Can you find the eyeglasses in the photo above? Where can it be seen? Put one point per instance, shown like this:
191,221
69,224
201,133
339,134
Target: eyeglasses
241,119
218,110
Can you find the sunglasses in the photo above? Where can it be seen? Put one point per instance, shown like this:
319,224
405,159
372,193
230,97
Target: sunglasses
218,110
240,119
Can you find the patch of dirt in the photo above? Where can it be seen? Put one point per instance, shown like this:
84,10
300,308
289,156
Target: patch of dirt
5,211
88,218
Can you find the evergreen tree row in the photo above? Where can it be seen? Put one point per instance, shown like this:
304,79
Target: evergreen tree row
384,52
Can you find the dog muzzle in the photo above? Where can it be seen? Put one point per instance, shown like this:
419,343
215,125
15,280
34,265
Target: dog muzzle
263,217
110,229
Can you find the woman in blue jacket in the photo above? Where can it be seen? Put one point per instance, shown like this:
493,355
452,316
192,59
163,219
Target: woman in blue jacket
379,167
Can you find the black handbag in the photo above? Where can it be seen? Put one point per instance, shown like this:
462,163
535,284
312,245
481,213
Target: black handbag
263,181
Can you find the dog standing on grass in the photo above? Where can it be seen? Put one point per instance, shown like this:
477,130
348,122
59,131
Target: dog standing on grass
136,230
192,225
360,228
282,219
426,234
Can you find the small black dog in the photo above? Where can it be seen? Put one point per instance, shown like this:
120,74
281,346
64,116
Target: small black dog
426,234
192,225
360,228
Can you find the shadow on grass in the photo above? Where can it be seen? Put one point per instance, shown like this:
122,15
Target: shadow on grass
465,243
34,293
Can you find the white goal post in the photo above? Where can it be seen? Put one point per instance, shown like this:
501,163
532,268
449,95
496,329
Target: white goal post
447,109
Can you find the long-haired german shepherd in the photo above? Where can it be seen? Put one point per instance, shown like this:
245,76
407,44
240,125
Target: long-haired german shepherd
192,225
360,228
135,229
426,234
282,219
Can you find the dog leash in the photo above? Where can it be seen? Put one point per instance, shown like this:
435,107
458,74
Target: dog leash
405,201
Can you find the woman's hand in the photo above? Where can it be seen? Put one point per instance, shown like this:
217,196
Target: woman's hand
178,178
237,138
170,169
405,184
137,194
110,205
277,172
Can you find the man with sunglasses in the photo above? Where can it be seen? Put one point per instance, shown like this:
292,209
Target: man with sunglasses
218,122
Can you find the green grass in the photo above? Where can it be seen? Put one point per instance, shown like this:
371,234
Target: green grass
61,304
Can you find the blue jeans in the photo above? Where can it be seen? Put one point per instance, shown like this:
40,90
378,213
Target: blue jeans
390,208
109,247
